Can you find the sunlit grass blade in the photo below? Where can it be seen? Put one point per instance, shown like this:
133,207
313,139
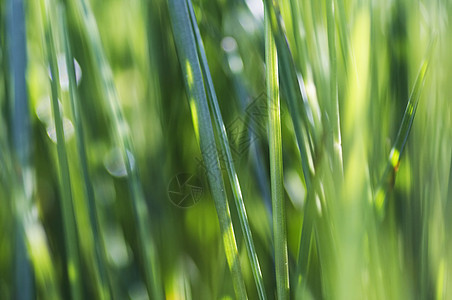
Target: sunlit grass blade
189,61
147,249
233,178
43,265
276,164
99,257
388,179
69,224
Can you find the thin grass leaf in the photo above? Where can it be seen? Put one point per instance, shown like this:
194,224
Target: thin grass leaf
69,224
82,190
232,174
276,164
189,61
334,99
100,257
300,41
387,181
304,129
147,248
344,35
297,100
30,243
306,240
303,125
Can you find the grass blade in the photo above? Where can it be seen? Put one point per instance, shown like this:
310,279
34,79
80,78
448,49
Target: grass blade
233,178
99,256
303,125
298,103
188,58
33,259
297,100
336,148
344,35
70,232
147,249
387,181
276,164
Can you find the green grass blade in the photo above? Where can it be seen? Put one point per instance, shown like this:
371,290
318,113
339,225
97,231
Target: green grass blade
297,100
189,61
276,164
233,178
306,239
305,131
99,257
70,232
33,259
147,249
336,148
43,265
344,35
388,179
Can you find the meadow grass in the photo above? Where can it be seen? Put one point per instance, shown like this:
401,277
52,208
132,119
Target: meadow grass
225,149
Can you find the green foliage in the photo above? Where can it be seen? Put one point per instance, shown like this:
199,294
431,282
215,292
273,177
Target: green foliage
193,149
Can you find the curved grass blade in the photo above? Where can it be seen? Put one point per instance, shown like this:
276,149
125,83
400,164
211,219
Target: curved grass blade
146,245
387,181
233,178
189,60
69,224
276,164
100,256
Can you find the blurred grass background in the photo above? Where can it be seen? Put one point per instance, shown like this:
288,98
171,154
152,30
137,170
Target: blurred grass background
94,217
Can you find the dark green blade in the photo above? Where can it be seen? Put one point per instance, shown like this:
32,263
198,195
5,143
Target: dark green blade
191,69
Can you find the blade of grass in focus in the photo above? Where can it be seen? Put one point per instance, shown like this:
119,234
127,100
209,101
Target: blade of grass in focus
297,101
303,124
388,178
189,61
276,164
73,268
305,130
147,249
233,178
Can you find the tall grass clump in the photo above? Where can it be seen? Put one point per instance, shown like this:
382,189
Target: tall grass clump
192,149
